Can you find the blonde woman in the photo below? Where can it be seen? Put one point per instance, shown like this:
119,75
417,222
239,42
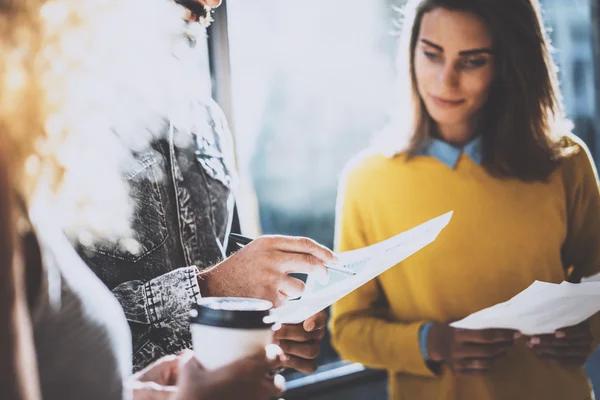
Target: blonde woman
73,72
487,139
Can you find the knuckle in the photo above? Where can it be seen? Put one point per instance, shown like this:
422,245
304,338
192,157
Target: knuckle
261,240
319,335
310,259
306,242
281,333
266,240
285,346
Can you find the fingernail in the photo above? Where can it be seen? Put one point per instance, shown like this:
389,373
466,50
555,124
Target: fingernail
279,382
285,358
310,326
273,351
560,334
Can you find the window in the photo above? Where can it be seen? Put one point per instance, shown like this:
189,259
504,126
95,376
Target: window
311,84
570,24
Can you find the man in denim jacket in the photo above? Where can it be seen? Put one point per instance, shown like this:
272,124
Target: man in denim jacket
183,194
183,197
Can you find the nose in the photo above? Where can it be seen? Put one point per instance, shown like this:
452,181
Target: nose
448,76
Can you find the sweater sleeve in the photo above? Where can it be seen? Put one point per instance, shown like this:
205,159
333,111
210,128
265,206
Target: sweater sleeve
581,249
362,329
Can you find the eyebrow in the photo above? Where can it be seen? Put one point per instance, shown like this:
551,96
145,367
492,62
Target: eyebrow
462,53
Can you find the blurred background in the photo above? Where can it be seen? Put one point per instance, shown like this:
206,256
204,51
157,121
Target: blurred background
306,85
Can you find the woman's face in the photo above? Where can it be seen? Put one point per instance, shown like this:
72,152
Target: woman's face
454,66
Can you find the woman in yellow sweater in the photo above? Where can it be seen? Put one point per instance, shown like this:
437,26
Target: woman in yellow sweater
486,138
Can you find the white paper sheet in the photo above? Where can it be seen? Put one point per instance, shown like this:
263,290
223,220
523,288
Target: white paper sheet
542,308
367,263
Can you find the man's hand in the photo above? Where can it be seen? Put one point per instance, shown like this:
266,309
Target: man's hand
247,379
468,352
260,269
569,347
302,342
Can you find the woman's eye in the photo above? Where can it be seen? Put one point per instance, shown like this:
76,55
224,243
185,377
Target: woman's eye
475,63
431,55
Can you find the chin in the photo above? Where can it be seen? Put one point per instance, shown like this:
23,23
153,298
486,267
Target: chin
447,117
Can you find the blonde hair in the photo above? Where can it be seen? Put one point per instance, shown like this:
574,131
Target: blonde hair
83,83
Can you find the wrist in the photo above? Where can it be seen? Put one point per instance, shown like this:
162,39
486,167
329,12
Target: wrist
204,284
423,338
433,338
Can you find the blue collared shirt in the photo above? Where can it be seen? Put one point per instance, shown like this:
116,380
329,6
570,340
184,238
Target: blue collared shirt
449,154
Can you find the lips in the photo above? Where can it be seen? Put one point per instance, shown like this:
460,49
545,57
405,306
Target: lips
446,103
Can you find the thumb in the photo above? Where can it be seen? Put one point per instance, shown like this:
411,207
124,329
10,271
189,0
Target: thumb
273,357
267,359
317,321
189,362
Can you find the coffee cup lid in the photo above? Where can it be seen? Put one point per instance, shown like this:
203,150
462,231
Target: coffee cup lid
232,312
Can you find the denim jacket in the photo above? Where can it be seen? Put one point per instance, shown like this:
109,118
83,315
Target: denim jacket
182,216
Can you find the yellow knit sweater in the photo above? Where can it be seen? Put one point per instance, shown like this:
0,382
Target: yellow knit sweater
504,234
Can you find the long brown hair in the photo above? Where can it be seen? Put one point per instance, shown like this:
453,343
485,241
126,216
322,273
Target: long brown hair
18,368
523,120
62,104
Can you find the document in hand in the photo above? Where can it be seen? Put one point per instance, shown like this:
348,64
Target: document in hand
542,308
367,263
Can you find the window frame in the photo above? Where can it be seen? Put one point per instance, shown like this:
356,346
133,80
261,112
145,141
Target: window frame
328,375
331,375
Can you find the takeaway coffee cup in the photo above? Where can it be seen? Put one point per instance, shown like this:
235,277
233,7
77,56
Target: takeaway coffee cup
225,329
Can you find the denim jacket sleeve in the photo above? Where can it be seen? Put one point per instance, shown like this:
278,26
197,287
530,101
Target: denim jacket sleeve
182,217
154,286
162,306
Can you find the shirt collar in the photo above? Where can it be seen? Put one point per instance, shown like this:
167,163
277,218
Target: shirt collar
449,154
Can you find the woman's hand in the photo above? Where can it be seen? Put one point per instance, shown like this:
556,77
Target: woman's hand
468,352
302,342
568,347
184,378
158,380
248,378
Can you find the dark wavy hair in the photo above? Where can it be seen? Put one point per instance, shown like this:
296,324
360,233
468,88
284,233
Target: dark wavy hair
523,121
195,8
